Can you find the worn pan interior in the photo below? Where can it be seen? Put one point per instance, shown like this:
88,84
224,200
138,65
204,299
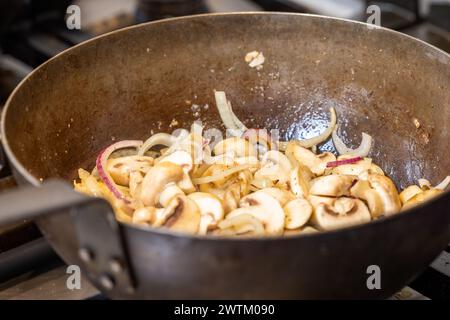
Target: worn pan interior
131,83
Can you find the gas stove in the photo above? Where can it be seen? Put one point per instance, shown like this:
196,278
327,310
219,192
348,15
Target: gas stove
29,269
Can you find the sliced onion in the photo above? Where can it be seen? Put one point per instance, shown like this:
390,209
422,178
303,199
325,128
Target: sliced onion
424,183
261,183
362,151
333,164
163,139
444,184
223,174
101,166
309,143
229,119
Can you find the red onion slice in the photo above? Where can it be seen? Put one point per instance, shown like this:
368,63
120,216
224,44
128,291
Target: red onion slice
101,166
333,164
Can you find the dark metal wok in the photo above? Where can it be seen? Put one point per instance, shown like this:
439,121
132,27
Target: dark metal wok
120,86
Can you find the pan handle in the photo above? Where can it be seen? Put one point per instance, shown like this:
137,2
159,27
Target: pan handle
29,203
102,247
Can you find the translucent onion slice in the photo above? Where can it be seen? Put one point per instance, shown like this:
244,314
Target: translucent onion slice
309,143
222,175
101,166
424,183
362,151
229,119
163,139
444,184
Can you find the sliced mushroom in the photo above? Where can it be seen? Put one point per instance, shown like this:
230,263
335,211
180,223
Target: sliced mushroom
211,210
265,208
282,196
156,179
299,180
298,212
421,197
184,160
344,212
241,224
275,166
120,168
231,198
145,215
409,193
170,191
136,179
182,215
387,192
316,200
332,185
364,191
316,163
296,232
237,146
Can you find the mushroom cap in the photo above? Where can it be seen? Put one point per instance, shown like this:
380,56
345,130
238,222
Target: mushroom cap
210,207
299,180
387,192
275,166
264,207
121,168
298,212
181,158
332,185
170,191
183,215
345,212
237,146
156,179
364,191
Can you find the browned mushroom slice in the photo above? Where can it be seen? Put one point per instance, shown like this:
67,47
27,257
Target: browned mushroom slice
120,168
298,212
387,192
184,160
156,179
182,215
421,197
364,191
344,212
332,185
264,207
299,180
211,210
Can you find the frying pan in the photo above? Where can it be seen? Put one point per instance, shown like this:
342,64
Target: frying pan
126,83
